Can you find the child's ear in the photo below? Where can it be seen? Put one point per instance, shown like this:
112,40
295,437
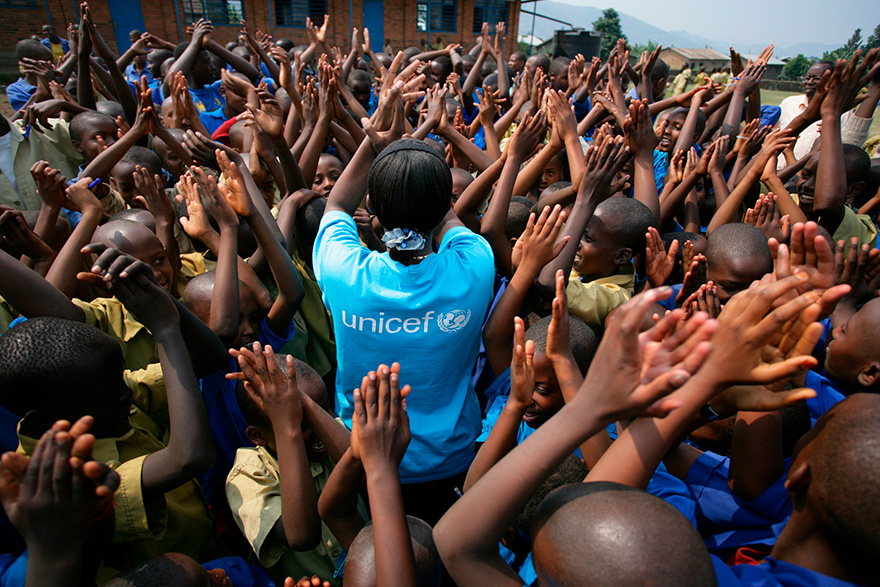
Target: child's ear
255,434
623,256
855,188
798,483
77,145
870,376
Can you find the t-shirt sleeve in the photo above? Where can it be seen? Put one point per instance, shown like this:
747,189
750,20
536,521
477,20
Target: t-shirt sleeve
137,518
148,388
337,240
254,497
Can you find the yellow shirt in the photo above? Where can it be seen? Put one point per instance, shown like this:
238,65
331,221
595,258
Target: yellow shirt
858,225
178,521
593,301
253,489
51,145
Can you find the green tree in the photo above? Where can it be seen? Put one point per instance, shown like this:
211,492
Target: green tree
609,26
640,48
845,52
873,41
796,67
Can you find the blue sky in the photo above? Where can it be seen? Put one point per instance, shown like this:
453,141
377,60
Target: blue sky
784,22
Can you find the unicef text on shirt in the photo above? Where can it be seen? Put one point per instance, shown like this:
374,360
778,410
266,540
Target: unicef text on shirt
450,322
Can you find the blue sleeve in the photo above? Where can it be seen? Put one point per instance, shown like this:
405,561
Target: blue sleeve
18,94
581,109
13,570
826,396
661,166
267,337
726,521
674,492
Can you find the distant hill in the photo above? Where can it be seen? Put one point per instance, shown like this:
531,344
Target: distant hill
639,31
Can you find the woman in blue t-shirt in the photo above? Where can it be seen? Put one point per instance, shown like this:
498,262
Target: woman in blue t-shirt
411,304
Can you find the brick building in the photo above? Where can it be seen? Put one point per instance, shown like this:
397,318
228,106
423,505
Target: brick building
403,22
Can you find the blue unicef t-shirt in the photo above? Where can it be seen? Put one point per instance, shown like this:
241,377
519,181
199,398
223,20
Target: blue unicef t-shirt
427,317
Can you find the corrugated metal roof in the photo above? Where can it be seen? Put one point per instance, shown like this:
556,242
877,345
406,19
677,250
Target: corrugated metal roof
698,54
773,60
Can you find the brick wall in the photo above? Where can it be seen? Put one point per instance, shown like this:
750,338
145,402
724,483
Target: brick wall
160,18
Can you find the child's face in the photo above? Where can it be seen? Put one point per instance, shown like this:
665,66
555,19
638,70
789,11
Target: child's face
248,318
234,102
806,184
98,137
170,160
326,174
122,180
460,182
360,89
547,398
314,388
671,133
732,276
598,250
551,174
148,248
849,353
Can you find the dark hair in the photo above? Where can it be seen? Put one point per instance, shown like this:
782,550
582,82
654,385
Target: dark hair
181,47
517,216
144,157
661,70
55,364
357,75
410,186
285,44
571,470
541,61
253,415
583,340
409,53
559,66
738,240
701,118
307,222
519,55
32,50
111,108
132,214
156,58
80,123
857,163
361,562
628,220
445,62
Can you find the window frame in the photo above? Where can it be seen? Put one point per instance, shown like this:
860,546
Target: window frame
438,4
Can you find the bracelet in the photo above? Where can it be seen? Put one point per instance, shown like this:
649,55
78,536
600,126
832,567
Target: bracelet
105,513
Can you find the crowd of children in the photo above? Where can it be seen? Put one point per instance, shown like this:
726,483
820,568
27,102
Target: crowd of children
313,316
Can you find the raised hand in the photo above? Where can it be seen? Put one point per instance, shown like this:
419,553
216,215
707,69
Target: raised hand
382,422
522,370
540,245
658,263
233,187
275,394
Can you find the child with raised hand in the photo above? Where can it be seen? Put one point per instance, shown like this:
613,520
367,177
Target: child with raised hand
435,303
605,234
271,489
234,307
159,507
59,500
630,373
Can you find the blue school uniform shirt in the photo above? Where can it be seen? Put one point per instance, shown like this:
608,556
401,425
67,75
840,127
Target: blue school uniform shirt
208,98
727,522
827,395
133,75
225,419
19,92
426,316
496,397
213,120
772,573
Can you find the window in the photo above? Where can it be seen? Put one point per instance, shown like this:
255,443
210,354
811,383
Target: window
217,11
436,16
21,3
491,11
293,13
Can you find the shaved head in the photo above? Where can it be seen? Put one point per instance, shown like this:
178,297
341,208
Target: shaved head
600,534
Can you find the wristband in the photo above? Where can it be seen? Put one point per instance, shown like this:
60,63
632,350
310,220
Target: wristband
105,513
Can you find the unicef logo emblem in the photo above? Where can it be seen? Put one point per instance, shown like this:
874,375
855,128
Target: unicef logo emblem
453,321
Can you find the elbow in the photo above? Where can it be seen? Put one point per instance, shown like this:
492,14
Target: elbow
304,539
197,460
